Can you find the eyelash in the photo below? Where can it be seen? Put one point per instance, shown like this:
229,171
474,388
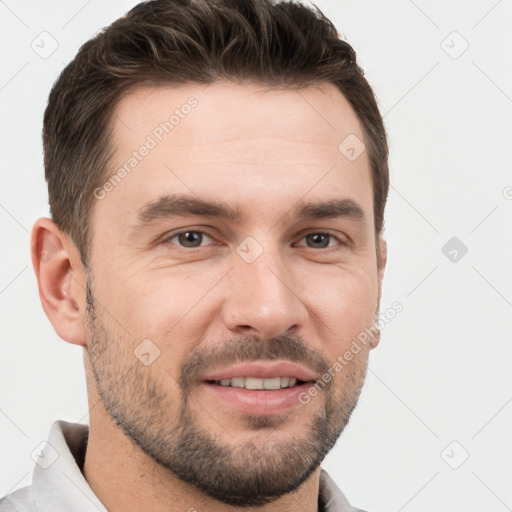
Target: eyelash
167,240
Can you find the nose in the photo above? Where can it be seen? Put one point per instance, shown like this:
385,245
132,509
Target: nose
263,298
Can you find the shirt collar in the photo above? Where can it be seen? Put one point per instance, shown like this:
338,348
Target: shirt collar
331,499
60,485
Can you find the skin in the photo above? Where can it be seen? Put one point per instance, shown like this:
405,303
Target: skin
263,150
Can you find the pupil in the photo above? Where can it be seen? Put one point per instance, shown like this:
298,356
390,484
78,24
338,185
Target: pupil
189,238
324,239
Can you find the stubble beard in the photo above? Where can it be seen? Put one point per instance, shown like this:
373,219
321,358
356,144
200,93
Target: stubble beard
255,473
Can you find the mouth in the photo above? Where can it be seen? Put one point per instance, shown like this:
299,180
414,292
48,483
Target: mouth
257,383
262,388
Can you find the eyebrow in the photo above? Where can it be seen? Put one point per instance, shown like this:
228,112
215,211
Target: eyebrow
169,206
330,209
181,206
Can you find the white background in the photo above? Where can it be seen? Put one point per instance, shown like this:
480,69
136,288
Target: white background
442,372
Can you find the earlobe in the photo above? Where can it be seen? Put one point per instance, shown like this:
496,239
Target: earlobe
375,340
59,275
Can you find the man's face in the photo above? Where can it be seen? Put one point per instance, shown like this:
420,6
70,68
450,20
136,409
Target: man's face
170,315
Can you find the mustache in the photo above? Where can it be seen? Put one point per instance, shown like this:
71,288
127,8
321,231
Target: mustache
252,348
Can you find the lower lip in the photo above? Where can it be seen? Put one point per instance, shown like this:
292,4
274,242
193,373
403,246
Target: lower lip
263,401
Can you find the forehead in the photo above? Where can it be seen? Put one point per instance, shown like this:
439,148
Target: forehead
227,114
253,146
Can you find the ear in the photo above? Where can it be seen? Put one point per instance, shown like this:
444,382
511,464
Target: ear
61,280
382,258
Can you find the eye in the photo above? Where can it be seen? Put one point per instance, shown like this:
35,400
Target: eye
193,239
189,238
321,239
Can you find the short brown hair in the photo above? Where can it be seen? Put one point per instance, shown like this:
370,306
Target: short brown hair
191,41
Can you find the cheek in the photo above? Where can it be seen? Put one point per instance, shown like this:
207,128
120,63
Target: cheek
135,295
160,305
344,297
344,308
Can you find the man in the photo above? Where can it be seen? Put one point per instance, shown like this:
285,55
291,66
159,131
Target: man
217,177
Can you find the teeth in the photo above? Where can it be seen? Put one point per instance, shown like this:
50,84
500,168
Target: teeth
259,383
253,383
274,383
237,382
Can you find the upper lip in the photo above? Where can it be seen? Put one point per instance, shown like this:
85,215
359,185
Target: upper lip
263,370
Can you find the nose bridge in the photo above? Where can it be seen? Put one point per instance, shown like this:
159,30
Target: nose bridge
261,295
